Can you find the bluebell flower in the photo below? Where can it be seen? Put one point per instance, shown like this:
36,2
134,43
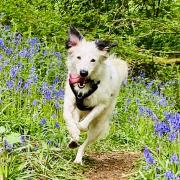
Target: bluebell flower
173,119
169,175
22,139
149,84
34,103
59,94
148,156
49,142
141,110
161,128
57,105
14,71
1,68
1,43
44,52
23,53
57,125
134,78
1,56
7,146
43,122
156,93
19,84
172,136
174,159
10,84
33,41
142,74
163,102
47,94
58,55
54,116
56,80
6,62
137,100
27,83
7,28
8,51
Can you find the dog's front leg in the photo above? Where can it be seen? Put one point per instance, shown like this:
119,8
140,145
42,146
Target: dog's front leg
71,117
83,125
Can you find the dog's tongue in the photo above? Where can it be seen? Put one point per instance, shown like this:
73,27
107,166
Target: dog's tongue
75,78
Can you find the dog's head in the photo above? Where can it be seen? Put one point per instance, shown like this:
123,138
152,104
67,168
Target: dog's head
84,57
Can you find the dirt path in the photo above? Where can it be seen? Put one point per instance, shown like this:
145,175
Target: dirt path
111,166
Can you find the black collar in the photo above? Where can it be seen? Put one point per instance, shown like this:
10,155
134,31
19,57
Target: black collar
80,97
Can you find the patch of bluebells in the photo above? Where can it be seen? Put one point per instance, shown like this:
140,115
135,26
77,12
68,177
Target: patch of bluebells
148,156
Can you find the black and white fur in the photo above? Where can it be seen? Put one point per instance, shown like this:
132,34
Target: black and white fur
108,71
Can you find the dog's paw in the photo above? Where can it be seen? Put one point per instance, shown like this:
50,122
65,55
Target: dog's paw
82,126
78,161
73,144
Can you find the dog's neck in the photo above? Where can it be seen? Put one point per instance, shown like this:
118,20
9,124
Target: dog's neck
93,85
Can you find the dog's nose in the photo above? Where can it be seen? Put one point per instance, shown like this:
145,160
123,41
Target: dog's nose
83,73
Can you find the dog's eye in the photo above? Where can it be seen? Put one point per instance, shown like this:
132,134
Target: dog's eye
93,60
79,57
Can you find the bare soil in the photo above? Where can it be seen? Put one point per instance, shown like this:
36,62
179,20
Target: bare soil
111,166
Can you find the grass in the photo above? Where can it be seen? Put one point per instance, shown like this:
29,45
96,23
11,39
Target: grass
34,138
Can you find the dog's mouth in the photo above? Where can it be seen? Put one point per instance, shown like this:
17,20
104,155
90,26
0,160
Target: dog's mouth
77,79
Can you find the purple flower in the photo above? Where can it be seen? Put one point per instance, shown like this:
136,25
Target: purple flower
33,41
26,84
34,103
148,156
49,142
174,159
1,68
43,122
59,94
58,55
23,53
1,43
19,84
169,175
6,62
141,110
22,140
161,128
1,56
14,71
56,80
10,84
172,136
57,125
57,105
163,102
7,146
47,94
142,74
173,119
149,84
53,116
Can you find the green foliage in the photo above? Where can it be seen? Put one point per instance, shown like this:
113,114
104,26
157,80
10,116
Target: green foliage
146,25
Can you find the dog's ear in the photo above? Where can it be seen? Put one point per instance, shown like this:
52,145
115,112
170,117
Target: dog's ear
103,45
74,37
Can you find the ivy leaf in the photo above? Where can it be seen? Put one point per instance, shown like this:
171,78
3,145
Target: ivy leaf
13,138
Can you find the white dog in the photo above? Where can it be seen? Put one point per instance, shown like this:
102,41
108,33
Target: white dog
93,82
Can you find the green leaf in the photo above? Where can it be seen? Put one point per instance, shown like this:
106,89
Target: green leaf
13,138
2,129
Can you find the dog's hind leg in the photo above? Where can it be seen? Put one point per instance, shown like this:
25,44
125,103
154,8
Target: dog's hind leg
96,130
